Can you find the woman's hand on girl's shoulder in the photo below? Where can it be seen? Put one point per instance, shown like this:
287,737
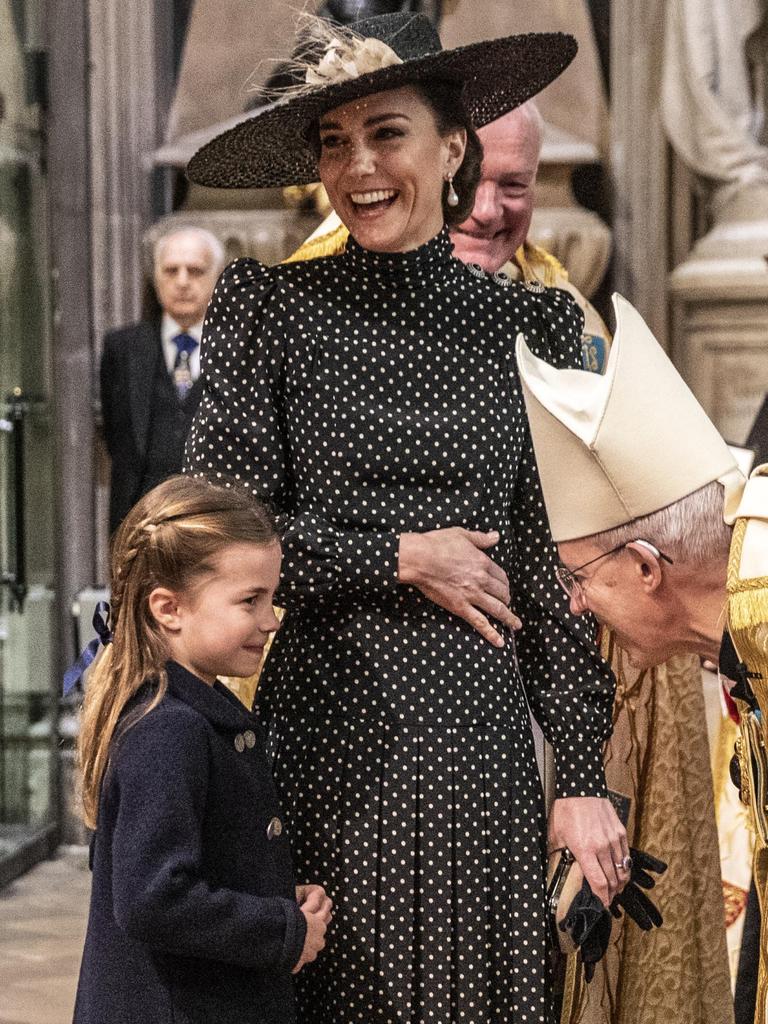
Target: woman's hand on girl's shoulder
451,568
317,907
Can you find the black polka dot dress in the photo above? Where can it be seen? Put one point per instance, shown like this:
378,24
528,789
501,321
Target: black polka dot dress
372,394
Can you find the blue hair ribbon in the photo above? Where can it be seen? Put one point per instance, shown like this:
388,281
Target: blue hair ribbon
103,637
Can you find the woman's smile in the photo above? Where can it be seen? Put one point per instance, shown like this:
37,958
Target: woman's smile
384,164
371,203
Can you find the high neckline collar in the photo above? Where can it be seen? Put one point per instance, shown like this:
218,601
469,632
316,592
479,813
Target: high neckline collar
415,267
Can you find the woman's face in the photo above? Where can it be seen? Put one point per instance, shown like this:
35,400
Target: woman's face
383,164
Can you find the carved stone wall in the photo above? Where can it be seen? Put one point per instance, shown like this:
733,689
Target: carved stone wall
268,235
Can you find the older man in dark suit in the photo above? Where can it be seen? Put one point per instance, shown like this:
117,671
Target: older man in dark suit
149,370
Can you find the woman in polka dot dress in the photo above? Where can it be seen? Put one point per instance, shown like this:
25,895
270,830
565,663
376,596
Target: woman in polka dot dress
374,397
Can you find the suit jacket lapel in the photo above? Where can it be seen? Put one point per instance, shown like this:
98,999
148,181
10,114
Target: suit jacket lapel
143,354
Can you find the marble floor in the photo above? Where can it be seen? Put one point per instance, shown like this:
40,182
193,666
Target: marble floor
42,926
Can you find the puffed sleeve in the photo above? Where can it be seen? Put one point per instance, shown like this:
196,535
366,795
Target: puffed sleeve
160,894
570,688
239,434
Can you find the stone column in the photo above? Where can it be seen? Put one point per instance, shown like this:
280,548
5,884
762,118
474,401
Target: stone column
639,160
69,212
720,298
714,57
130,92
124,130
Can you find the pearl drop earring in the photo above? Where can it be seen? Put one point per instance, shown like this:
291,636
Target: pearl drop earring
452,198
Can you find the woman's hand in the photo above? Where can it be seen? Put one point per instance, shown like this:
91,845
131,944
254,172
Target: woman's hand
590,828
316,907
450,567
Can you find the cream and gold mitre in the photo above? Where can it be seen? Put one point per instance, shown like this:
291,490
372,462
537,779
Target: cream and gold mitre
615,447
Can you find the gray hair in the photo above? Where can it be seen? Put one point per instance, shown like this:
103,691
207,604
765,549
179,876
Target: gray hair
529,115
205,237
691,531
530,109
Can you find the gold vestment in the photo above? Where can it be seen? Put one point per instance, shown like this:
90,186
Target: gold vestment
748,628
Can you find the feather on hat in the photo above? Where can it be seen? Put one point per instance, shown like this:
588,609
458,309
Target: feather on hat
273,148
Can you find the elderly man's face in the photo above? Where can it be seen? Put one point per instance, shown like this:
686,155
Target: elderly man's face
185,276
619,591
503,206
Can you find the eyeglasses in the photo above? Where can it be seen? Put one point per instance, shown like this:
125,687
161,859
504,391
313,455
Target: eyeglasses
574,587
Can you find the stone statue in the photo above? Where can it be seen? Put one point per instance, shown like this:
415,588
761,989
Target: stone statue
714,100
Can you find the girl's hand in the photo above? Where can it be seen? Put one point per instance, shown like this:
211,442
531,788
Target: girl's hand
450,567
316,906
313,896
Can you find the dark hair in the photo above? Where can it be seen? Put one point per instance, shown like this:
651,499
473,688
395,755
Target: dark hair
446,99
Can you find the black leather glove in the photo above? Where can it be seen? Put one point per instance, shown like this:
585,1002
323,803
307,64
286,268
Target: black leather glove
589,925
632,899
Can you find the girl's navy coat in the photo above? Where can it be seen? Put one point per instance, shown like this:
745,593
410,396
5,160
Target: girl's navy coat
193,912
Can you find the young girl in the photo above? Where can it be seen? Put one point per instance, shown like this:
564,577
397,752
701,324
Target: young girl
194,915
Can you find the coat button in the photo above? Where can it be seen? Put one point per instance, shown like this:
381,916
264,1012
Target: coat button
274,828
250,739
239,743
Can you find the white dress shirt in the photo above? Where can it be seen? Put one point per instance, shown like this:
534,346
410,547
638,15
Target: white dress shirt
168,331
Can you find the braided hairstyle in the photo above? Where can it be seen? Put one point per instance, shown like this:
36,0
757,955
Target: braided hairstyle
170,538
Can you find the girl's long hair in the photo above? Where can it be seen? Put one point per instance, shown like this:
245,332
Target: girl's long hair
170,538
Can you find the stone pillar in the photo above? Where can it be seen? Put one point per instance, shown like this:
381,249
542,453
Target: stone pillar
720,304
713,114
130,92
639,160
124,130
577,237
69,210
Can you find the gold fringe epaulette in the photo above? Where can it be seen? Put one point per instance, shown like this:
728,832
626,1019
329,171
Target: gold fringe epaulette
748,628
748,620
747,608
331,244
536,264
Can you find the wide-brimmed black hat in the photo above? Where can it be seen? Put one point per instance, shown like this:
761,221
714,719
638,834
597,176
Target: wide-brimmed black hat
273,148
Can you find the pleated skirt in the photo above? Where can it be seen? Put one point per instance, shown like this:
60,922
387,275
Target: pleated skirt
430,840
